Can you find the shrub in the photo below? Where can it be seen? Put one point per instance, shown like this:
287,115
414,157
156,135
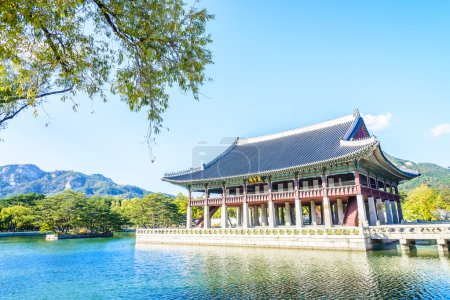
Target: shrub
347,231
320,231
304,231
338,232
289,231
296,231
356,232
329,231
312,232
281,231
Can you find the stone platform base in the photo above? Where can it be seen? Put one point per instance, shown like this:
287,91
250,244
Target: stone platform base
342,238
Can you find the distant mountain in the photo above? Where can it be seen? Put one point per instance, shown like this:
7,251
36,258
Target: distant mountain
23,179
431,174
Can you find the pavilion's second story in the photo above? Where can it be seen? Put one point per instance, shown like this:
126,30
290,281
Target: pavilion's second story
258,189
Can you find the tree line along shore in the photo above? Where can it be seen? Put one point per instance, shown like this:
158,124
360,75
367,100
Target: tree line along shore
75,213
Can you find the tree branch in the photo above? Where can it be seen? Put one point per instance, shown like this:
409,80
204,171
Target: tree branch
37,96
11,116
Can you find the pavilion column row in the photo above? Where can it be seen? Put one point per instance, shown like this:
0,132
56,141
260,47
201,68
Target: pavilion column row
383,212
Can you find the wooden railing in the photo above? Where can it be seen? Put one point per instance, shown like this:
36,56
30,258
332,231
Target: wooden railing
342,191
200,202
215,201
283,195
258,197
234,199
379,194
311,193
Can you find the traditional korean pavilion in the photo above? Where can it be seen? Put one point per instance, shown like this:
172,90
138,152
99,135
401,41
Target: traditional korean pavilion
331,174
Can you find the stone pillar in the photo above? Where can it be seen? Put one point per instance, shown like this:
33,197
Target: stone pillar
327,212
389,219
340,209
189,217
271,208
263,215
189,211
206,219
272,213
372,211
394,212
277,214
224,215
288,214
404,246
380,212
255,216
335,214
442,247
224,212
400,212
239,215
361,210
298,213
313,213
245,218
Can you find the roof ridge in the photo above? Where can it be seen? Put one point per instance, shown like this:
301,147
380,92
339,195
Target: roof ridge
325,124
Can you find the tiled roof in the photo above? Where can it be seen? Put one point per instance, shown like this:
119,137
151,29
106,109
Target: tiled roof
296,148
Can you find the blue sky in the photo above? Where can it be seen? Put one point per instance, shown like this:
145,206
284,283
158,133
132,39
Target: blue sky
278,65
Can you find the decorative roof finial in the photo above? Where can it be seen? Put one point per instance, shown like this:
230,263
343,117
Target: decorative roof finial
356,113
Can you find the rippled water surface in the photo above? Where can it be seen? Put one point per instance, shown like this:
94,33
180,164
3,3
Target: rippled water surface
31,268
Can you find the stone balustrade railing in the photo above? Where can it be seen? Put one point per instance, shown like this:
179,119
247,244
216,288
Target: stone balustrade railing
310,231
419,231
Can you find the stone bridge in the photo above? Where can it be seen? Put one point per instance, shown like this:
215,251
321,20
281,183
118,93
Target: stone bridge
407,234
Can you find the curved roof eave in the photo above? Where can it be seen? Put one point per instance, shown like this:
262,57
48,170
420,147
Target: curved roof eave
403,174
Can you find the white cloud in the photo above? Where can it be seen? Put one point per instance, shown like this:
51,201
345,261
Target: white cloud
440,130
378,122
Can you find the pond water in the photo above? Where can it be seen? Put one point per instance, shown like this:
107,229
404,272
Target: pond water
31,268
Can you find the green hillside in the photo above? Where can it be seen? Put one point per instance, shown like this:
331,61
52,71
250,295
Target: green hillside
431,174
24,179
